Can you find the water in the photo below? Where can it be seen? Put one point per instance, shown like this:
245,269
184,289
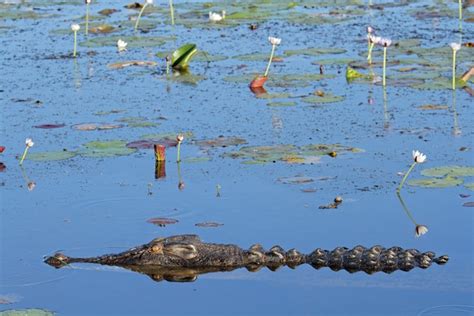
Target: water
90,206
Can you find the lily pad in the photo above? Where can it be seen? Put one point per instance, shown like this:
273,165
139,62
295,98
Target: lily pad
95,126
468,204
433,107
296,180
133,41
208,224
436,182
98,149
470,186
49,126
450,171
161,221
26,312
51,155
182,56
102,29
326,98
315,51
128,63
221,141
281,104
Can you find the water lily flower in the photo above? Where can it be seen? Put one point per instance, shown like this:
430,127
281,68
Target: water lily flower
385,42
370,29
88,1
75,28
455,47
31,185
179,139
121,45
216,17
418,157
29,143
373,40
274,40
420,230
147,2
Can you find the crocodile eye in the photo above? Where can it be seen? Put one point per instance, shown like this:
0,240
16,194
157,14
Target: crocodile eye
157,249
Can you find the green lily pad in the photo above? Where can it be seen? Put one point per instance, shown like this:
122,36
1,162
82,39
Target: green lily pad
185,77
181,57
288,153
326,98
187,135
196,159
436,182
98,149
133,41
281,95
450,171
102,29
221,141
26,312
470,186
281,104
315,51
51,155
248,15
333,61
296,180
254,57
440,84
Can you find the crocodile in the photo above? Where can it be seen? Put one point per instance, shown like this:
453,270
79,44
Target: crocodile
184,257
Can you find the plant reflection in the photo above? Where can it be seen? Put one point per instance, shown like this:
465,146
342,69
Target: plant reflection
30,185
419,229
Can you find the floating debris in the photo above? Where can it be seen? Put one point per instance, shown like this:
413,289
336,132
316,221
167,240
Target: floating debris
333,205
161,221
209,224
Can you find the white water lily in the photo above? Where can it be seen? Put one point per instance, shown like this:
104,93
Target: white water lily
149,1
370,29
121,45
88,1
75,27
455,46
420,230
274,40
385,42
29,142
216,17
418,157
374,39
31,185
180,138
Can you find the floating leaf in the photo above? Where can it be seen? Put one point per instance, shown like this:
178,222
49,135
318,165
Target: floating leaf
51,155
161,221
468,204
208,224
221,141
436,182
433,107
133,41
196,159
315,51
281,104
295,180
95,126
111,148
181,57
470,186
450,171
107,11
102,29
352,74
326,98
124,64
49,126
26,312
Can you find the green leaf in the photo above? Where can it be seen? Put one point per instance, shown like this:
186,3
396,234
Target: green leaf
436,182
26,312
181,57
51,155
450,171
111,148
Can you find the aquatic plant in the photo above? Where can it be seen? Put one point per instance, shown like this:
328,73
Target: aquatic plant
259,81
419,229
147,2
418,157
160,152
75,28
168,64
171,11
181,57
121,45
460,9
29,143
385,42
216,17
88,2
371,41
455,47
179,139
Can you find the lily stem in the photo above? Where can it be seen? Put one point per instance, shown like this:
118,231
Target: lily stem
460,9
178,159
87,19
140,15
454,69
369,56
172,12
24,155
406,176
405,208
270,61
384,65
75,44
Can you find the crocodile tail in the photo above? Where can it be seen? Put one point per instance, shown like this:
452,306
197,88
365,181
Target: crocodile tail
374,259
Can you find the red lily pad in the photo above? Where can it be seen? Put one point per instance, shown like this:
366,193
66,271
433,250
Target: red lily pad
2,148
161,221
149,143
49,126
208,224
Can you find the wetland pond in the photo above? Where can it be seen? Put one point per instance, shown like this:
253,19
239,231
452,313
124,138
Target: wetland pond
260,166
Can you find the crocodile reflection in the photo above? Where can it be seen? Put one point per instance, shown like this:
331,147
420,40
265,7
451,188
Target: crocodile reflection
182,258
